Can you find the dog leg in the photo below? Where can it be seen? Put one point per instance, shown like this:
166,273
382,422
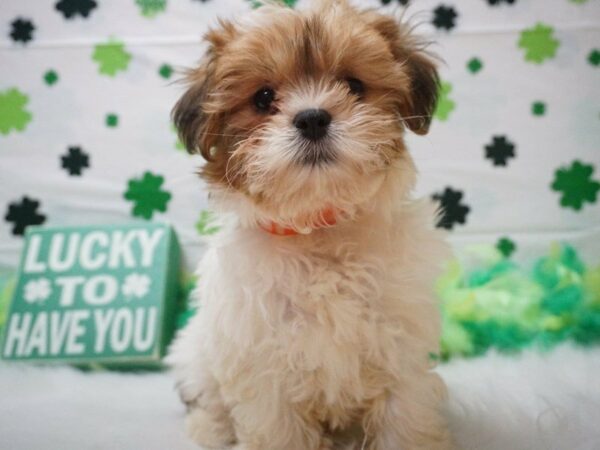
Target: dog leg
409,418
281,428
208,422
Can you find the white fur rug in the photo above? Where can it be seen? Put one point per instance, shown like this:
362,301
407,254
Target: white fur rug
532,402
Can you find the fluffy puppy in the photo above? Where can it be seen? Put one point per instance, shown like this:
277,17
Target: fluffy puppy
316,317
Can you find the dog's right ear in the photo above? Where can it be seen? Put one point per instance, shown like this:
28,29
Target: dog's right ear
196,117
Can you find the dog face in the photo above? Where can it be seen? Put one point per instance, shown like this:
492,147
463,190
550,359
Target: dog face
298,111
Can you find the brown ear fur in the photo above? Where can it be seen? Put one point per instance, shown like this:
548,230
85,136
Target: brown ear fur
419,106
198,128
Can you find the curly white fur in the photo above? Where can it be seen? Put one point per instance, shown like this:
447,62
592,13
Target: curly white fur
299,339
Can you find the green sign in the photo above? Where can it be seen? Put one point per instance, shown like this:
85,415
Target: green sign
94,294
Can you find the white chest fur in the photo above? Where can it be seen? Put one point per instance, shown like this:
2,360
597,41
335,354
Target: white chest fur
335,319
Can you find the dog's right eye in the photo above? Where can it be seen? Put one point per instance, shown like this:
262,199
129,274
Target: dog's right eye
263,98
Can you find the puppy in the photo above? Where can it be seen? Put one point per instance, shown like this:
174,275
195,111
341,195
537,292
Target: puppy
316,317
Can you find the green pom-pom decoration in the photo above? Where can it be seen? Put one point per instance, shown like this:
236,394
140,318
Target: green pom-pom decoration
495,303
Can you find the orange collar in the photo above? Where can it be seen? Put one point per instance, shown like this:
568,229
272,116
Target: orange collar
328,218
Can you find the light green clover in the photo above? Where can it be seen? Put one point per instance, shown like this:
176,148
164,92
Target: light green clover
150,8
205,225
445,105
13,115
111,57
539,43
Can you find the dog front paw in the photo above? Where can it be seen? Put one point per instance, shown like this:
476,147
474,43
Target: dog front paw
206,430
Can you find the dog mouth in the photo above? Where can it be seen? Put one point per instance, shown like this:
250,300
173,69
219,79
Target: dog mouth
313,154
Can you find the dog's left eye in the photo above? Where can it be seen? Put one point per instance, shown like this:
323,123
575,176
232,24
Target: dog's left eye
263,98
356,86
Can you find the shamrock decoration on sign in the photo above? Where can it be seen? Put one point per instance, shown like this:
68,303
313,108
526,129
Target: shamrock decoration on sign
71,8
453,211
22,30
539,43
24,214
576,185
75,161
111,57
500,150
147,195
136,285
37,290
13,115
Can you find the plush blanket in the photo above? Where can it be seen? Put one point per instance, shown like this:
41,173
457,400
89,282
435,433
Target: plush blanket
530,402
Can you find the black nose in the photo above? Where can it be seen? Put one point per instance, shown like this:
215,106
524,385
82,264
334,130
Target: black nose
312,123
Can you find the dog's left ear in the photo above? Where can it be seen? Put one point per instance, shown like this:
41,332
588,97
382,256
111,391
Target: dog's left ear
419,105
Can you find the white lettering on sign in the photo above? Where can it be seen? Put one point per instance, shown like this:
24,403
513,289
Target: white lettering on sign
93,251
89,260
58,331
102,319
32,262
97,290
127,329
143,342
76,330
60,258
100,290
148,244
121,330
38,337
68,288
117,330
16,334
121,253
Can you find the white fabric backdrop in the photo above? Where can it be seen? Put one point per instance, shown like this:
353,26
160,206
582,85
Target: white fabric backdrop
514,201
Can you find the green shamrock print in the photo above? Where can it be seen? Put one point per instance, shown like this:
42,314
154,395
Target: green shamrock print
165,71
13,115
538,108
444,105
576,185
111,120
474,65
539,43
594,57
111,57
50,77
205,226
150,8
147,195
506,246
